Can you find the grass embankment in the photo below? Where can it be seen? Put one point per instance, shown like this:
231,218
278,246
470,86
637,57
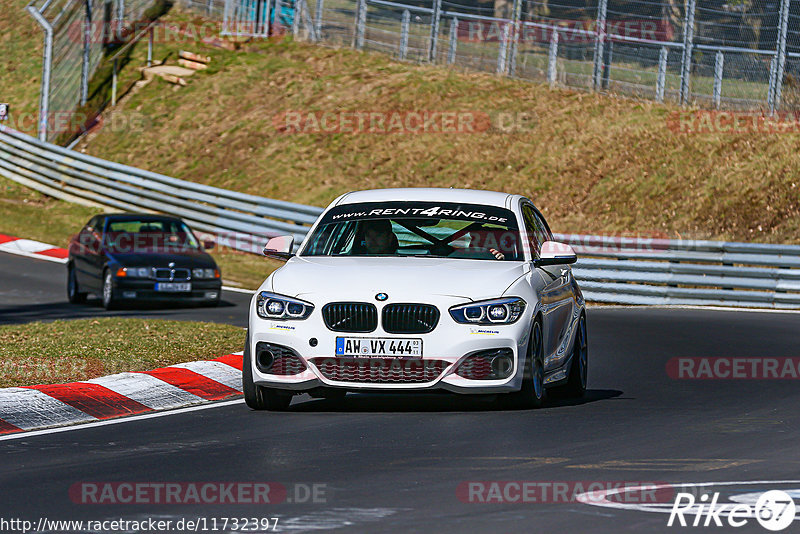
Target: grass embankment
21,43
65,351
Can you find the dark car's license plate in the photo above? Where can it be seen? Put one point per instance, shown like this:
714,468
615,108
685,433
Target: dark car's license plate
173,287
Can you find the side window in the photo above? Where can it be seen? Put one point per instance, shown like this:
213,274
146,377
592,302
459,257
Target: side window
544,226
534,233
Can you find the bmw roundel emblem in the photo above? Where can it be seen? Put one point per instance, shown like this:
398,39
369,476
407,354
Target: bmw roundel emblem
381,296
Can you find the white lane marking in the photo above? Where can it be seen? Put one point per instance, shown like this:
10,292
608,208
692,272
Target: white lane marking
30,408
130,419
217,371
148,390
238,290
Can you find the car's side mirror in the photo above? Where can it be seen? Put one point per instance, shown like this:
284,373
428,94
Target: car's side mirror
555,253
208,244
279,248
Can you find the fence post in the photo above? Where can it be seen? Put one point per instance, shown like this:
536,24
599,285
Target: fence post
600,38
404,27
226,17
318,19
434,39
773,68
296,11
607,60
661,81
515,22
120,20
451,48
502,52
719,62
114,85
361,24
552,58
688,45
150,48
780,63
47,62
87,43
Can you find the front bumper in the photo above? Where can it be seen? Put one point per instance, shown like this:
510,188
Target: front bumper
130,289
442,352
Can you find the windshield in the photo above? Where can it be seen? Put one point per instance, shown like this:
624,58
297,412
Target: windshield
433,229
149,236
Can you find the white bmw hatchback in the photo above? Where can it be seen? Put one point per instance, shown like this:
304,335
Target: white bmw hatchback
419,289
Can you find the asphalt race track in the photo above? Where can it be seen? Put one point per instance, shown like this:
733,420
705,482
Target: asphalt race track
36,290
401,463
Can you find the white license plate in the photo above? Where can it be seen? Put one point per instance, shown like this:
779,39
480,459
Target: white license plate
367,347
173,287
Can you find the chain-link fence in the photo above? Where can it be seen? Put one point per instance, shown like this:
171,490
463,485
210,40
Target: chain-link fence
741,54
77,36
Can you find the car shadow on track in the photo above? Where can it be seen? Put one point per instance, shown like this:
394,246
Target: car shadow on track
440,402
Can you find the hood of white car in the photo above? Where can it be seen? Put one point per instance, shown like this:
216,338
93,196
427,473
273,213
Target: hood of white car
337,278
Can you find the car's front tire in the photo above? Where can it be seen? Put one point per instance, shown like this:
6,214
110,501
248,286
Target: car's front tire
260,397
74,293
532,393
109,295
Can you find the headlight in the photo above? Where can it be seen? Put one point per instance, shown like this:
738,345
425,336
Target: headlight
496,311
273,306
198,274
136,272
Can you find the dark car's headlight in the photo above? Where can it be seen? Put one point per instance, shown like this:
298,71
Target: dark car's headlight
274,306
199,274
496,311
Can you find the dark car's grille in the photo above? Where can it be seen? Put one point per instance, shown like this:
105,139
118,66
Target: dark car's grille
350,316
410,318
168,275
380,370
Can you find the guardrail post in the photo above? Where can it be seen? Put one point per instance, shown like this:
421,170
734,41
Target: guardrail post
47,63
552,58
361,24
404,28
114,85
318,18
600,38
688,47
87,43
502,52
451,48
515,21
719,62
434,39
776,85
661,80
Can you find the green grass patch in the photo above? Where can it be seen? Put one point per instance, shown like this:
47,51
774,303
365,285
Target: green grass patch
66,351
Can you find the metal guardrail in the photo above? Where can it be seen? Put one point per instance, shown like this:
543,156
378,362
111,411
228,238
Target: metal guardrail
610,269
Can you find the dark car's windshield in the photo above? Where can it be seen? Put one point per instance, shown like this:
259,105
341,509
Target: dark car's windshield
149,236
436,229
